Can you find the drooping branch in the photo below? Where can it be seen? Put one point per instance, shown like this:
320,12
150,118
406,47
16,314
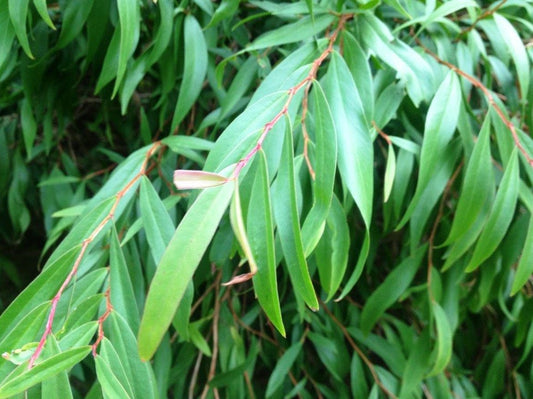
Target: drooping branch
85,244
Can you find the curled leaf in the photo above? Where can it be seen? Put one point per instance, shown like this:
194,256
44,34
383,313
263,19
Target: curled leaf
195,179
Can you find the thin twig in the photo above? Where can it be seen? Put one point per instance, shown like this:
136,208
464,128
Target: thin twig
487,13
85,244
359,351
488,95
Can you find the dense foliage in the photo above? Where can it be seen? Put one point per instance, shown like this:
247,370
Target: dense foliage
261,199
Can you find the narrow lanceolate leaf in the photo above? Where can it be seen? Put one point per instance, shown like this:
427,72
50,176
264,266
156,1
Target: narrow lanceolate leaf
261,235
500,216
443,348
196,179
325,163
441,121
477,186
390,290
128,13
178,264
287,220
303,29
42,9
46,369
525,265
283,366
122,295
18,11
332,250
194,69
356,155
390,172
515,46
157,223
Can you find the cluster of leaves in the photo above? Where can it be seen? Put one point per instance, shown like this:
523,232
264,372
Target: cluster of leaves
372,152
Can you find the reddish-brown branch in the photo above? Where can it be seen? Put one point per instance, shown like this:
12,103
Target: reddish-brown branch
487,13
489,97
381,133
85,244
306,82
101,320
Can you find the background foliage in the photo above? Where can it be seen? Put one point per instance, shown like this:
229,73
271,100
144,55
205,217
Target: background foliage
370,163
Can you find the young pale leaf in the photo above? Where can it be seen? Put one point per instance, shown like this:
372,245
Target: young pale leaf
157,223
237,224
42,371
287,220
325,163
177,266
282,368
196,179
194,69
390,290
261,235
18,11
477,186
500,216
444,340
353,135
390,171
525,265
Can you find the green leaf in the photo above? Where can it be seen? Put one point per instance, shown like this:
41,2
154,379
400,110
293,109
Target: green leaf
18,11
390,290
111,386
194,69
226,10
500,216
128,13
237,224
443,348
283,366
332,250
29,126
355,148
121,289
157,223
525,265
261,235
42,9
59,385
325,162
187,245
42,371
7,33
441,121
510,38
43,288
287,221
477,186
73,20
302,29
